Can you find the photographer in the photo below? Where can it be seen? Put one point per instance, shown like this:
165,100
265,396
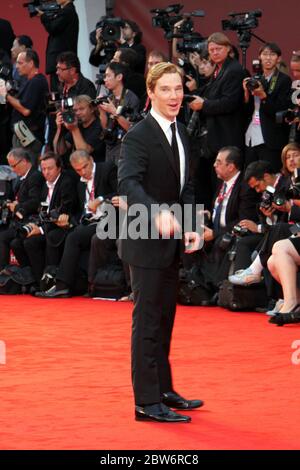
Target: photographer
83,133
260,176
134,81
63,30
264,98
71,81
295,70
29,105
27,193
42,243
132,37
20,44
115,124
233,202
222,101
98,182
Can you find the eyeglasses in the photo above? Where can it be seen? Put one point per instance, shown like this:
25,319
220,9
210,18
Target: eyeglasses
16,164
63,69
269,54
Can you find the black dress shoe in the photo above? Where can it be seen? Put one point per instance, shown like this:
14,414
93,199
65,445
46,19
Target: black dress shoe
53,293
159,413
281,319
173,400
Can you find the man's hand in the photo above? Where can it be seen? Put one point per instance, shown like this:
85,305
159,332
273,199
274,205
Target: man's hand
208,234
167,224
35,230
191,242
267,212
93,205
108,107
39,12
285,207
62,221
12,205
260,92
249,225
197,104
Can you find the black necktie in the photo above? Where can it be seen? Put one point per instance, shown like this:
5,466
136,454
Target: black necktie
218,210
175,150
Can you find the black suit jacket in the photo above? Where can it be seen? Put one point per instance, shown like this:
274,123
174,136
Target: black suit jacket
275,135
147,175
63,34
223,107
242,204
64,197
105,183
29,193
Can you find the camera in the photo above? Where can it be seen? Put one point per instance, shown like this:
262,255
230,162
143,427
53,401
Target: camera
5,213
291,115
166,19
240,231
113,133
100,100
111,28
12,86
242,21
254,82
294,190
267,198
67,110
50,9
191,43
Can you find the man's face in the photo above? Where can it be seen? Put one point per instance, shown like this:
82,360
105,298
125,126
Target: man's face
20,167
258,185
295,70
128,33
222,168
23,67
292,160
269,60
16,49
84,167
167,95
110,79
153,60
64,72
50,170
218,53
83,112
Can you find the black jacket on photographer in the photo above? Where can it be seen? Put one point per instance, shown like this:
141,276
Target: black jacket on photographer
275,136
33,97
27,191
63,28
114,133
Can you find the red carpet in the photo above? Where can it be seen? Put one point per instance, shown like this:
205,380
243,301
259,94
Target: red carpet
66,382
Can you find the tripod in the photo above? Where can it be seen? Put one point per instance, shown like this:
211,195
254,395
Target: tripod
244,43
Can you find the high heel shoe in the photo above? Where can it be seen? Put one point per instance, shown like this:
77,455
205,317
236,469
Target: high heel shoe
281,319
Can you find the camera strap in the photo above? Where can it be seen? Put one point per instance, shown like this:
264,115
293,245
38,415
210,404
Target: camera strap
272,82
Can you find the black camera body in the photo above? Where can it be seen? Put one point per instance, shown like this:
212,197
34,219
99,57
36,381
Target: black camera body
257,78
50,9
12,86
240,231
291,115
67,110
191,43
5,213
267,198
166,18
242,21
111,28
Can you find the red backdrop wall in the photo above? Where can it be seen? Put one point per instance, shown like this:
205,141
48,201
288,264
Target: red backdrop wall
279,22
13,11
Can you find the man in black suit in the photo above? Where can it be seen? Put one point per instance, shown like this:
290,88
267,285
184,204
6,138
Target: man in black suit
63,30
98,182
234,201
265,138
27,193
45,240
153,169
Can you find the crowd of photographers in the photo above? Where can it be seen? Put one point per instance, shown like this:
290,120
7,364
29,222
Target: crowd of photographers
63,144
